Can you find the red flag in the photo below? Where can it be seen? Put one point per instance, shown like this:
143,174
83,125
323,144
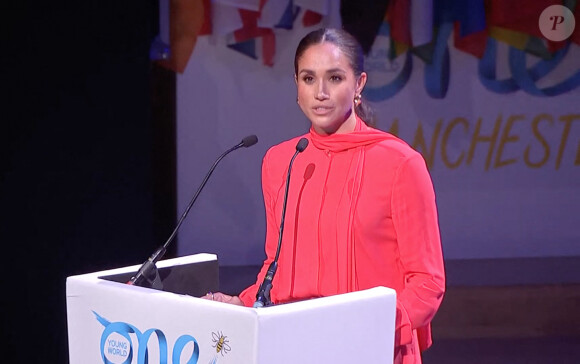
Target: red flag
186,18
251,30
206,27
399,17
521,16
311,18
473,43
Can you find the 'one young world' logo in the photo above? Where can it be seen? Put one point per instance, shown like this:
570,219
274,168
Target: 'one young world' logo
116,348
119,339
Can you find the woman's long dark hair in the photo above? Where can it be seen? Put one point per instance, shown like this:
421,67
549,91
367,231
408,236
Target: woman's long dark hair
353,51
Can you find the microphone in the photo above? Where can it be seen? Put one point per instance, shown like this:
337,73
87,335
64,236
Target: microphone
263,294
148,271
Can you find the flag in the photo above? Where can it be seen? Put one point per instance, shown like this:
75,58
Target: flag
399,18
363,19
470,26
275,12
515,39
250,31
186,19
311,18
317,6
225,19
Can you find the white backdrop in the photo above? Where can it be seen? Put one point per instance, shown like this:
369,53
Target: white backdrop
512,192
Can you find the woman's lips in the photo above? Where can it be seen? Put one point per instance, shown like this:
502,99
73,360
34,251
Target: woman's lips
321,110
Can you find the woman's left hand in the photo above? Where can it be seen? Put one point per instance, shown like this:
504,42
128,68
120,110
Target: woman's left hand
222,297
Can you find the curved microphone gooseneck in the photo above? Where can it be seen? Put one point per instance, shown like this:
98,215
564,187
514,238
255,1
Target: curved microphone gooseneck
148,270
263,294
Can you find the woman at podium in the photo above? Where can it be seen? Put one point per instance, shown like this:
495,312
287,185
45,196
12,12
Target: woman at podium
361,208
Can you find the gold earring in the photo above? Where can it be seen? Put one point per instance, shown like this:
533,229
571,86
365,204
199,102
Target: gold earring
357,100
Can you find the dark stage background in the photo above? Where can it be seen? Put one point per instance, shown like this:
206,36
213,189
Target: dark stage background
87,173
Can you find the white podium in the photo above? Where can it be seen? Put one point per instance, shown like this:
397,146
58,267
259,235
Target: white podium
112,322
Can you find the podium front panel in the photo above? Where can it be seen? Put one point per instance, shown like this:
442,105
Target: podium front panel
110,322
356,327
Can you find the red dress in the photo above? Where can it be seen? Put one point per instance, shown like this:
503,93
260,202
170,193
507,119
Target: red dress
361,213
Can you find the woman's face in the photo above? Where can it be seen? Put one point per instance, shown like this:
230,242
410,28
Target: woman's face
327,87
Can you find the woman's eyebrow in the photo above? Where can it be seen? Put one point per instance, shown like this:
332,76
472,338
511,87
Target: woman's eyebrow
332,70
335,70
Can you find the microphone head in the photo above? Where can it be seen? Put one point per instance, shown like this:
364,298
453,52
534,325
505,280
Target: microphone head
302,144
249,141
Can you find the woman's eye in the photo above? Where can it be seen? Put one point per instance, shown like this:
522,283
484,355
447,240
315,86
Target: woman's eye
335,78
308,79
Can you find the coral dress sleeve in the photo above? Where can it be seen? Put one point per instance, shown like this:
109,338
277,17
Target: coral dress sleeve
417,230
248,296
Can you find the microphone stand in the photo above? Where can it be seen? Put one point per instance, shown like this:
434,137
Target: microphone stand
263,294
148,272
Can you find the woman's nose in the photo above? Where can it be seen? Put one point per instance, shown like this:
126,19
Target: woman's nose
321,92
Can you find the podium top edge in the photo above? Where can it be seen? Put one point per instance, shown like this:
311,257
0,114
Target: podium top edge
188,259
374,293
